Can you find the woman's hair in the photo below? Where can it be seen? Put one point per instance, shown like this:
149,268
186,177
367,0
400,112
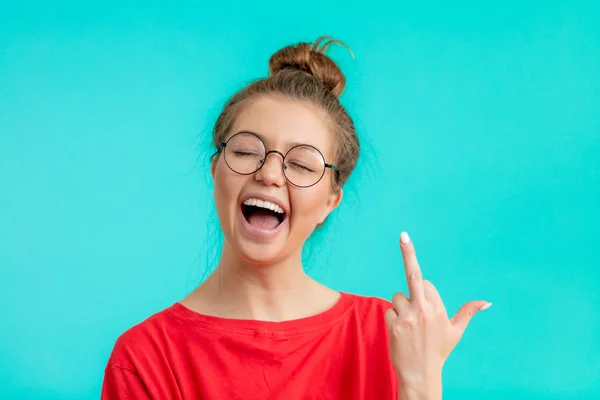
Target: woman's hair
303,72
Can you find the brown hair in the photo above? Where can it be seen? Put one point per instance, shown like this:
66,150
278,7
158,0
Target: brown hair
303,72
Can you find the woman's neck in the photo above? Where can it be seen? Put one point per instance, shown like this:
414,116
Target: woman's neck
275,292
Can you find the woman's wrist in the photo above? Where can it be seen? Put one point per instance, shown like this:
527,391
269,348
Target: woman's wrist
429,389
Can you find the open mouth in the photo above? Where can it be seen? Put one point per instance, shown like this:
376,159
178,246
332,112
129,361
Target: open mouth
263,214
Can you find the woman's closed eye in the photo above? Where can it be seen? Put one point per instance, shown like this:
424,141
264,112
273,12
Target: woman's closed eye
299,167
247,154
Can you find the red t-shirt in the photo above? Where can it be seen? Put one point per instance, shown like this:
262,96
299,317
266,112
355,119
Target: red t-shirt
177,353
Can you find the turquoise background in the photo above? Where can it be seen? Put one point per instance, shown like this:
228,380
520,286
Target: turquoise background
480,123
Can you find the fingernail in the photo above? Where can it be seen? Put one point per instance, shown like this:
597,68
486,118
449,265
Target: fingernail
485,306
404,238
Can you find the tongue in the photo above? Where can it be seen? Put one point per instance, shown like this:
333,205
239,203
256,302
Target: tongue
263,219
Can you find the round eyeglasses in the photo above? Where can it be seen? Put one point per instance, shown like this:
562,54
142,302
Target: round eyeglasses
303,165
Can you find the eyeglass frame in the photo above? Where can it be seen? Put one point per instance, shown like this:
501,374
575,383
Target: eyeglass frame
222,146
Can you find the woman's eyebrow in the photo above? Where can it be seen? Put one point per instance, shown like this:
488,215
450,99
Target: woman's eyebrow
287,145
291,145
294,144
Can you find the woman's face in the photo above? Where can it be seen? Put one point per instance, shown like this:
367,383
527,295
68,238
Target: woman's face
258,234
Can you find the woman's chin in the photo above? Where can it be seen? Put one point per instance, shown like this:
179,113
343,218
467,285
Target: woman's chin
261,253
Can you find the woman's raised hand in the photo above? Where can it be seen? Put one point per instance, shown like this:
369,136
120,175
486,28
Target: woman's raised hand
421,336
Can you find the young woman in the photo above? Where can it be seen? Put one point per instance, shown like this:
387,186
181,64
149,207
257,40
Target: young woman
259,327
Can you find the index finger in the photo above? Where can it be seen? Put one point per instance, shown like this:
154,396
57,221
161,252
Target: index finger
414,277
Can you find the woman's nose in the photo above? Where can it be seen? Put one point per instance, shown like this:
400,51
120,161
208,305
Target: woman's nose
271,172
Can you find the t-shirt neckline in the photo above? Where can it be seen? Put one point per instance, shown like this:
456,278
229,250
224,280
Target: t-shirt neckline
315,322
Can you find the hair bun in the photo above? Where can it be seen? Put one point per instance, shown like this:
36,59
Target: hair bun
311,60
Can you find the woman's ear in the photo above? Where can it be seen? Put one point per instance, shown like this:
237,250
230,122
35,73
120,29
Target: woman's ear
213,165
334,200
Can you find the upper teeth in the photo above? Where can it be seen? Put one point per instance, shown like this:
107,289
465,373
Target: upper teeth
264,204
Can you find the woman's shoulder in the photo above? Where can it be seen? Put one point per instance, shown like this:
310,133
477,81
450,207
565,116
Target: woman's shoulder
370,308
368,317
137,339
369,303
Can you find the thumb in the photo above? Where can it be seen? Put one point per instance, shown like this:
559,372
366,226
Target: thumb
466,312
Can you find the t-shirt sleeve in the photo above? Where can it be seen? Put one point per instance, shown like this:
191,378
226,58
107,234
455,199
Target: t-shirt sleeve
122,384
